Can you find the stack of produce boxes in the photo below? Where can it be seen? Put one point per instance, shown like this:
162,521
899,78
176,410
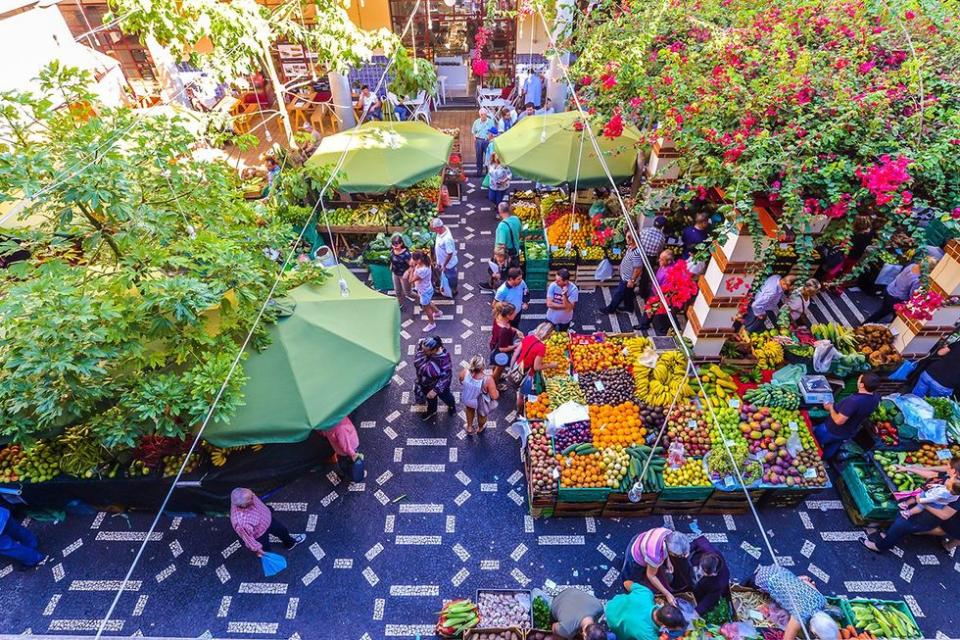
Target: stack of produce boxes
631,392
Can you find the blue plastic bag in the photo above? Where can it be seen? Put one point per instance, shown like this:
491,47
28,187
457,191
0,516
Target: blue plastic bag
903,371
273,563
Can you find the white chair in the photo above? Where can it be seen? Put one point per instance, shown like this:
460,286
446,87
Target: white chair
485,96
420,107
440,90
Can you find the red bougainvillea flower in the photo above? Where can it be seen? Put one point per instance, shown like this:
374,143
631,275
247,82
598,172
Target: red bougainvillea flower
884,178
733,284
906,197
480,67
578,125
667,80
586,80
955,214
614,128
838,209
608,81
909,15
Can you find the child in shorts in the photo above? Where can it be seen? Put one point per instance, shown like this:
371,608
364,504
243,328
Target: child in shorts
936,496
422,278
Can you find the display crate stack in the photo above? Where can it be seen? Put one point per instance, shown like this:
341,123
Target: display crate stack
918,337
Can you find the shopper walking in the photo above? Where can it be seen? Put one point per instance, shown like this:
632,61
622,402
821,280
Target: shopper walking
254,522
507,234
345,441
422,277
400,257
504,339
500,177
799,301
514,291
530,355
434,374
480,129
562,297
479,394
18,543
623,297
445,250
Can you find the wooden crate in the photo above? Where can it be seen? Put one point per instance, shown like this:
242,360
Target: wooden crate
619,506
677,507
578,509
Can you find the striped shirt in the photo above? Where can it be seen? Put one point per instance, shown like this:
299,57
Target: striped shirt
650,547
631,261
434,373
789,591
251,522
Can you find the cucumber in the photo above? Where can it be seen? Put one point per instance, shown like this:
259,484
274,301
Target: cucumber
570,449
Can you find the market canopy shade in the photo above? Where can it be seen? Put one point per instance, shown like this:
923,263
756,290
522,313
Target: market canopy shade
325,360
382,155
547,148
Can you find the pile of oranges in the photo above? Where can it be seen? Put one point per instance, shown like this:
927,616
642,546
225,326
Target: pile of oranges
582,470
616,424
570,227
596,356
538,410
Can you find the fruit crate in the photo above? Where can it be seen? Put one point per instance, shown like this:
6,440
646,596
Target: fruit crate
731,502
529,621
900,605
619,505
506,633
781,496
583,494
862,497
677,507
684,494
738,595
577,509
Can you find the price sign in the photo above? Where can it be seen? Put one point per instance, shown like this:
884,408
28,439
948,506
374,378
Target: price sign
944,454
793,426
734,403
531,398
576,226
554,248
729,442
616,251
598,385
576,377
810,474
568,245
692,424
728,481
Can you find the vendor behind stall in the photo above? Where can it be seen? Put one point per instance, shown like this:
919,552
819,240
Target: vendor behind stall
711,575
800,598
766,302
847,416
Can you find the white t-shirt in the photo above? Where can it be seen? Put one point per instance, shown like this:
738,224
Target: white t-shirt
555,294
445,246
424,282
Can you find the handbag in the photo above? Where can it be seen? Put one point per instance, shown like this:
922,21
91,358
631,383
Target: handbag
517,371
485,404
273,563
486,181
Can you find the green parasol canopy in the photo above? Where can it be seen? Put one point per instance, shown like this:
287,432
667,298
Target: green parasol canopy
382,155
546,149
325,360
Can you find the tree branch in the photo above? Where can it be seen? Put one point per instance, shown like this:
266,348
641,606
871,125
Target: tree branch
99,226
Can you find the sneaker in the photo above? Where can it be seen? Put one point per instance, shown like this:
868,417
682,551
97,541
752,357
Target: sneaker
438,314
297,539
430,327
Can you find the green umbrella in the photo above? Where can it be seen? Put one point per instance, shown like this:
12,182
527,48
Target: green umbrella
381,155
325,360
547,149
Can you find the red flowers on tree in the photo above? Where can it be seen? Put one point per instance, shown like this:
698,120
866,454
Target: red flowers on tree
614,127
884,179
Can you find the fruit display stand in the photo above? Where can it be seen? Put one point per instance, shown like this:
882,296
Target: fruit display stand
601,468
881,618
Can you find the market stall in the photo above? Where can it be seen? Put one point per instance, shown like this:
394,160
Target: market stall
622,430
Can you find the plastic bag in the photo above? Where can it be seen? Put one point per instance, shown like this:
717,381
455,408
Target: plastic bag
794,445
567,413
823,355
918,414
738,630
273,563
789,376
903,371
676,455
445,289
604,270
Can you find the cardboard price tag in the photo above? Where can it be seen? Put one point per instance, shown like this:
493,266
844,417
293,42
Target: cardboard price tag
598,385
944,454
793,426
810,474
692,423
728,481
576,226
531,398
734,403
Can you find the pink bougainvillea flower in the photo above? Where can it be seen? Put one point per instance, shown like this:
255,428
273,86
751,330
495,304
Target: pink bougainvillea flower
578,125
608,80
955,214
884,179
865,67
586,80
667,80
906,197
839,208
614,127
636,102
480,67
909,15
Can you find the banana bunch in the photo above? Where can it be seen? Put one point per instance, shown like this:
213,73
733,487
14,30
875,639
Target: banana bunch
80,453
659,386
717,382
456,617
218,455
843,338
884,621
769,355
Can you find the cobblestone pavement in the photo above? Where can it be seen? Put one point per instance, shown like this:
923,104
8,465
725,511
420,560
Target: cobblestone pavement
438,516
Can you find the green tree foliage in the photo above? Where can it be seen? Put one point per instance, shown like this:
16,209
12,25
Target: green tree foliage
146,273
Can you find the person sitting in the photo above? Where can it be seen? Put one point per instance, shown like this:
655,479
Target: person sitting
650,556
799,597
547,108
941,378
368,104
847,417
528,110
634,615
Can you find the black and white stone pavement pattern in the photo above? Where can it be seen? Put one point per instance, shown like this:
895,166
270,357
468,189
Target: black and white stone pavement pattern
438,516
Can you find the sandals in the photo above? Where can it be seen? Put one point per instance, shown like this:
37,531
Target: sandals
869,544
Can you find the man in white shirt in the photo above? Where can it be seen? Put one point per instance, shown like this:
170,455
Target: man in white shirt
369,104
766,302
445,250
547,108
562,296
